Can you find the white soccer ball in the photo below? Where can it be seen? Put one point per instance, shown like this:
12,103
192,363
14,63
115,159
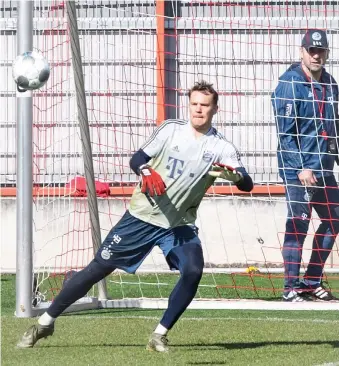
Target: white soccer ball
30,71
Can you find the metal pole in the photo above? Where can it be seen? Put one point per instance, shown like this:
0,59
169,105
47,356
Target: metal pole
24,166
85,134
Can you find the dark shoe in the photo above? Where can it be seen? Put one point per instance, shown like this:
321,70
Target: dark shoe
317,292
323,294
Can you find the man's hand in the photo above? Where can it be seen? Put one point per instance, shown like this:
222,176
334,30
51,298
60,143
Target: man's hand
307,178
225,172
151,181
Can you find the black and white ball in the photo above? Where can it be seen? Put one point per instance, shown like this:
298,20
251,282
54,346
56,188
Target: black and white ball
30,71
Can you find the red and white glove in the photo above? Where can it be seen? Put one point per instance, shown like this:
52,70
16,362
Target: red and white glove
225,172
151,181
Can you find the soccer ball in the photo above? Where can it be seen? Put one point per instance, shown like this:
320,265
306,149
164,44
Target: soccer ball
30,71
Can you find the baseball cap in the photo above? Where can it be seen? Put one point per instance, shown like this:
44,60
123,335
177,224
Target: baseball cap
315,38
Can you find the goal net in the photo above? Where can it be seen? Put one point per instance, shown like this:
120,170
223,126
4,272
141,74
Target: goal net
139,60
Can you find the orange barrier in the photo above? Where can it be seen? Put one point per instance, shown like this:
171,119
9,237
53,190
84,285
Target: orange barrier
126,191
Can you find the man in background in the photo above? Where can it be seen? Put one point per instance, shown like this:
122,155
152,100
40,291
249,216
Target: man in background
305,105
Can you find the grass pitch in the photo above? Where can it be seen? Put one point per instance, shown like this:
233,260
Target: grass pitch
201,337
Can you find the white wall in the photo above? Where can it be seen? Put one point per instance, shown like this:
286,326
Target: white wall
229,228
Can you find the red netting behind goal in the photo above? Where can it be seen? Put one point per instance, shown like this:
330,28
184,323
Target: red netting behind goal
138,65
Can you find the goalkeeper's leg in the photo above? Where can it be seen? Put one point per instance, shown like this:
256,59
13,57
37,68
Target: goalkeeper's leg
128,255
188,258
75,288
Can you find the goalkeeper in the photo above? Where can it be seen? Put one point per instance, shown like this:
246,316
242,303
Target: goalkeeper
305,105
177,165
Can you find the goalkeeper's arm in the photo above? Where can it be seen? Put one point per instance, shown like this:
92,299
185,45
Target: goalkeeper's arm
151,182
246,184
239,176
138,159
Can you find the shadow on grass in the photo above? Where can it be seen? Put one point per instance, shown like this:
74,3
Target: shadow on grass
211,346
230,346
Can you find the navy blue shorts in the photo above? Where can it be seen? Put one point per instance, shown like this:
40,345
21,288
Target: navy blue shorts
131,240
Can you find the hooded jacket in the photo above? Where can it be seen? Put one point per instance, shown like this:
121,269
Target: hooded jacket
306,115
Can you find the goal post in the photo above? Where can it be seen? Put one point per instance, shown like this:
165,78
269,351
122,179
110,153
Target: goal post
139,58
24,168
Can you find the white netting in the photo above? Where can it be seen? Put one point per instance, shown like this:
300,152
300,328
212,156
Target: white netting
241,49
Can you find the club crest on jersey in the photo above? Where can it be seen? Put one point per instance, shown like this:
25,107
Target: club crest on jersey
208,156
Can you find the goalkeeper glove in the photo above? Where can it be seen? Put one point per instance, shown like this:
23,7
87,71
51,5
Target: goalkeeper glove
225,172
151,181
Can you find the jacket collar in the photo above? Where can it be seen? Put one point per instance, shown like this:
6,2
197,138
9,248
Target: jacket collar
296,67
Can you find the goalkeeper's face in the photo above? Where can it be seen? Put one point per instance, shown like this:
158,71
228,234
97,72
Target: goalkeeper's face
202,110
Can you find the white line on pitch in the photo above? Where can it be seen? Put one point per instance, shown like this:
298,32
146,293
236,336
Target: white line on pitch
209,319
197,319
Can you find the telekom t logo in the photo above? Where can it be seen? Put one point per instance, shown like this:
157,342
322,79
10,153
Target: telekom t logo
175,167
303,216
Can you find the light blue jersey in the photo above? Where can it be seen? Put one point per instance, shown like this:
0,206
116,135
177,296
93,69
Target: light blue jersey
183,161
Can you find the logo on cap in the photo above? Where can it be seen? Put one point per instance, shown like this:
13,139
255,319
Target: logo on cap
316,36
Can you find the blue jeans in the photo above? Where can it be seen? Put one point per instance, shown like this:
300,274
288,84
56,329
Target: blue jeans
324,198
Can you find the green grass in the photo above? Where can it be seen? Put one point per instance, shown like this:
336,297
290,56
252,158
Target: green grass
227,286
201,337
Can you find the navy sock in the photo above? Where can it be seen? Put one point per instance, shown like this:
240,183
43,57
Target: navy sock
78,286
190,262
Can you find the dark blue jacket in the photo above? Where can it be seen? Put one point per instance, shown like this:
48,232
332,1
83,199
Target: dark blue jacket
303,136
